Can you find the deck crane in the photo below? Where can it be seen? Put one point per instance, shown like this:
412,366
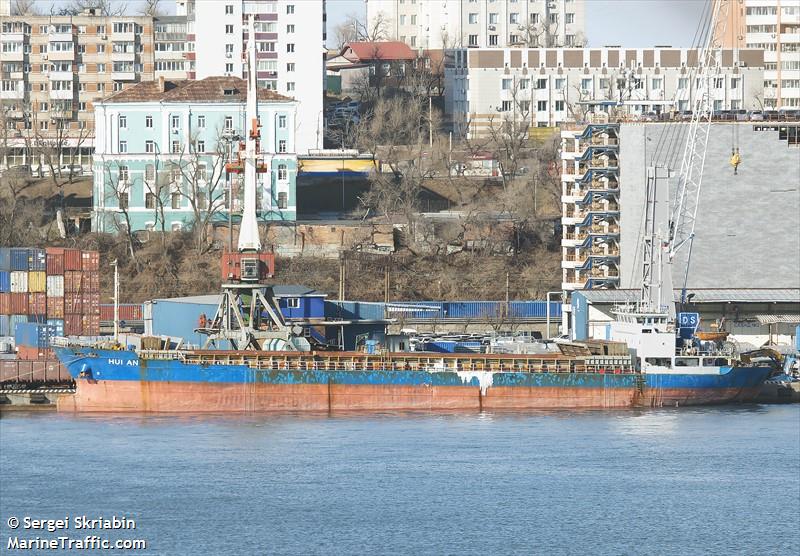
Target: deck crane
684,210
248,315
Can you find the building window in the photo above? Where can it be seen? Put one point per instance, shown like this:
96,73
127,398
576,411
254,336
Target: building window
473,40
149,201
228,122
282,200
413,20
492,40
149,147
123,147
175,121
175,200
201,147
290,8
569,18
719,82
282,172
281,122
513,18
150,172
122,175
101,68
524,106
43,106
290,86
101,49
148,121
123,200
541,105
290,28
176,227
229,29
559,106
229,49
473,18
282,146
505,106
586,84
228,68
290,66
292,302
201,122
493,19
683,83
82,106
123,122
402,19
290,47
413,40
228,9
734,83
506,84
202,200
117,86
176,147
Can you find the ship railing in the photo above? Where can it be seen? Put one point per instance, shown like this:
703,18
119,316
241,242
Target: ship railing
164,355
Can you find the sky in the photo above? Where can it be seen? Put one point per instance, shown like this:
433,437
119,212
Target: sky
628,23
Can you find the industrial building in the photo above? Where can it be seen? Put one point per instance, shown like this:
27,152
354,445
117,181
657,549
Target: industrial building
754,317
488,88
162,149
479,23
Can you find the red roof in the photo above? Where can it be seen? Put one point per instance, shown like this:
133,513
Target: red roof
378,50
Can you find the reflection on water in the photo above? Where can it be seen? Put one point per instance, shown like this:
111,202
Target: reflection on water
682,481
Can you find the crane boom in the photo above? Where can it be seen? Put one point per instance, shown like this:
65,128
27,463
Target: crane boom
684,211
249,238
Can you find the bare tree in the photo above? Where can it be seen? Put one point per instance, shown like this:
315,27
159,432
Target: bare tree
201,177
24,7
52,141
117,184
101,7
152,8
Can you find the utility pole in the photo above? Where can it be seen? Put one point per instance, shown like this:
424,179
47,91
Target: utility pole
116,300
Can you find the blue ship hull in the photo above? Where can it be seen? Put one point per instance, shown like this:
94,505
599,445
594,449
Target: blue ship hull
110,380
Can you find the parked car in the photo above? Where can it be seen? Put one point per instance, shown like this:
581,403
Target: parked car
756,116
740,115
772,115
77,169
685,115
791,115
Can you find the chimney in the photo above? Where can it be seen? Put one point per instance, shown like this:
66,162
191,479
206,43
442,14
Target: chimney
161,83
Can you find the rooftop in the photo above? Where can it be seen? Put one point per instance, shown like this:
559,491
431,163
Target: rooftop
280,291
377,50
210,89
702,295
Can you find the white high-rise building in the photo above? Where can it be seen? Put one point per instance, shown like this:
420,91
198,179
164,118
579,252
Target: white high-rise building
290,44
435,24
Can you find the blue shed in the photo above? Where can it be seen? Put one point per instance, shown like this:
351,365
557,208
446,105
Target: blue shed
580,314
300,302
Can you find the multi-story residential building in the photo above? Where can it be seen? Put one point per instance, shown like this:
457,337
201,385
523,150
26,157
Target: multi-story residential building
442,24
171,48
290,45
53,70
162,148
545,87
774,27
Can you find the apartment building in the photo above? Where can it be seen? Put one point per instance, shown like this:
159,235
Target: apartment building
439,24
53,69
547,87
162,147
774,27
290,49
171,48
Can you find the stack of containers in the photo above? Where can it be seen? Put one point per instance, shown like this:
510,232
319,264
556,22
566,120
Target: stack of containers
56,288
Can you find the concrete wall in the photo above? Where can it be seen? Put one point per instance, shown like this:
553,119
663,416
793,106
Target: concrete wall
747,226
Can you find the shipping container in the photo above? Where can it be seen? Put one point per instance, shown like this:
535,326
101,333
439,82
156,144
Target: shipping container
19,303
57,325
90,260
73,325
37,281
41,319
91,281
73,281
20,259
127,312
5,326
91,303
37,303
72,259
14,320
5,259
55,260
91,325
33,335
73,304
55,307
55,286
37,260
5,281
19,281
5,304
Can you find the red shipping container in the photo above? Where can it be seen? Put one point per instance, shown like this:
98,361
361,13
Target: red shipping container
73,281
9,371
90,260
55,263
73,304
5,303
55,307
73,325
19,303
72,259
91,303
91,281
127,311
30,353
91,325
37,304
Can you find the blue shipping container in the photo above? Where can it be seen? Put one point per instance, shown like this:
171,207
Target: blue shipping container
5,329
5,281
33,334
57,325
5,259
19,259
41,319
38,259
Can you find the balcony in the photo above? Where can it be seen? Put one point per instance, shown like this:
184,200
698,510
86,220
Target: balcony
123,75
62,95
12,37
16,56
17,94
123,36
66,55
62,114
123,56
60,37
60,75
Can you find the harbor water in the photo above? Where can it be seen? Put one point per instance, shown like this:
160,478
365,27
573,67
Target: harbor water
686,481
